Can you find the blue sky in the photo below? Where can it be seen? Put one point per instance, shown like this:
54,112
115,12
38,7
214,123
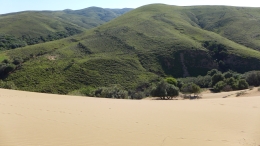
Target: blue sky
8,6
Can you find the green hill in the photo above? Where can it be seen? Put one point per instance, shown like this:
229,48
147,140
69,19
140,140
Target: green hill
31,27
137,47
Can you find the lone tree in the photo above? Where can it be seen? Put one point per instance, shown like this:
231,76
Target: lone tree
165,91
191,88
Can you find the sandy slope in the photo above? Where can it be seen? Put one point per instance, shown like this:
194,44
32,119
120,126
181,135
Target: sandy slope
33,119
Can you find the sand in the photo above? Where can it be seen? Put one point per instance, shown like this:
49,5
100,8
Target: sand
35,119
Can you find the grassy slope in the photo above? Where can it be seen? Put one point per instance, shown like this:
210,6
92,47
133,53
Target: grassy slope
44,22
35,25
129,50
235,23
89,17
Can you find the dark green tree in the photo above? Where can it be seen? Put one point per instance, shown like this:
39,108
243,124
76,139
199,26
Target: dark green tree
165,91
216,78
213,72
242,84
191,88
219,86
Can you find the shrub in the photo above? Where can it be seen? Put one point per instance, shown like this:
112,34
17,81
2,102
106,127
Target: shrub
219,86
216,78
7,85
165,91
242,84
227,88
191,88
253,78
171,80
202,81
9,68
87,91
17,61
213,72
138,95
111,92
230,81
180,84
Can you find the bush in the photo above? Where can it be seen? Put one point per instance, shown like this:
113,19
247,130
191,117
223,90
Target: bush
227,88
9,68
213,72
216,78
111,92
17,61
165,91
230,81
7,85
138,95
253,78
219,86
202,81
242,84
191,88
180,84
87,91
171,80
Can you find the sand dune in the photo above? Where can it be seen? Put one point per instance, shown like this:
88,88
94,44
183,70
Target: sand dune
34,119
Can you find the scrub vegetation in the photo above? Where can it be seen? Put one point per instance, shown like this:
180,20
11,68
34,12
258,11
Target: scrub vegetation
154,50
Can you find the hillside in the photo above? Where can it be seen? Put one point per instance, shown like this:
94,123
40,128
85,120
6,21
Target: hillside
238,24
137,47
33,27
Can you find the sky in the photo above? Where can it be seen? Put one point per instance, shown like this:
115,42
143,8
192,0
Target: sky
9,6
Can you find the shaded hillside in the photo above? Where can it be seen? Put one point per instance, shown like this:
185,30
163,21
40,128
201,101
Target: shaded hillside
91,17
27,28
235,23
131,50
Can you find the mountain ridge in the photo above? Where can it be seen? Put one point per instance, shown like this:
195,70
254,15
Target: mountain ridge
138,47
32,27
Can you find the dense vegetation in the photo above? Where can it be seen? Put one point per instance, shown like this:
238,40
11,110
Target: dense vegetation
28,28
134,52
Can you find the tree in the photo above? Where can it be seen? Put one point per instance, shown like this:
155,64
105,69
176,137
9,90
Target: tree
216,78
172,91
171,80
180,84
242,84
228,74
165,91
191,88
219,86
253,78
230,81
213,72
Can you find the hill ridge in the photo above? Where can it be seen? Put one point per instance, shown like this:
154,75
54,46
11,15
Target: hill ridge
139,47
